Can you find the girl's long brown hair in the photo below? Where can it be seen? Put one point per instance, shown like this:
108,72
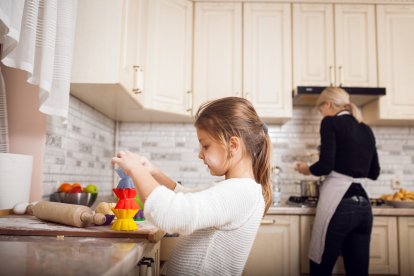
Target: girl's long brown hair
233,116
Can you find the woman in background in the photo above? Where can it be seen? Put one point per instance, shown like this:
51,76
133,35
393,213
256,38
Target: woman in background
343,220
218,225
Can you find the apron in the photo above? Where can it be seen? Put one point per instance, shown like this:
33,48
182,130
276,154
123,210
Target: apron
332,190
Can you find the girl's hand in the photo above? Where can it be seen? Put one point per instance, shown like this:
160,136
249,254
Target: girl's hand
302,168
147,164
128,161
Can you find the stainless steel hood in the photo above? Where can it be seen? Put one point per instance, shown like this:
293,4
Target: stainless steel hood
307,95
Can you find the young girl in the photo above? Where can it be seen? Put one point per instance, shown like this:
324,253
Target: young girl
343,220
218,225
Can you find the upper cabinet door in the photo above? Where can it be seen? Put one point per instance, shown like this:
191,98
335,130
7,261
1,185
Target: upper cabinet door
313,45
97,42
217,51
396,60
168,55
134,32
355,46
334,45
267,81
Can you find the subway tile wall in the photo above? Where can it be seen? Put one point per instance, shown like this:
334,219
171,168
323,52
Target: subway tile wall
174,149
81,150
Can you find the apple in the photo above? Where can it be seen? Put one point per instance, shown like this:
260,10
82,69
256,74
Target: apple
76,189
91,189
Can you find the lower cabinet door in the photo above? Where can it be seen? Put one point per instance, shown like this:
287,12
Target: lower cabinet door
406,245
276,247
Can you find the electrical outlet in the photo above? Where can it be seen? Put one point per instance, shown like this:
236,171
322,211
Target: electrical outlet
395,184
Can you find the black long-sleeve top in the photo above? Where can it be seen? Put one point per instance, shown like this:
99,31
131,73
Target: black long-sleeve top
347,147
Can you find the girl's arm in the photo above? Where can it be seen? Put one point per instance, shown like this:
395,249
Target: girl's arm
163,179
158,175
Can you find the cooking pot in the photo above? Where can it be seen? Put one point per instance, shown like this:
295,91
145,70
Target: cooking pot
309,188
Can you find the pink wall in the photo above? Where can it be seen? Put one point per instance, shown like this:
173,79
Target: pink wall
27,125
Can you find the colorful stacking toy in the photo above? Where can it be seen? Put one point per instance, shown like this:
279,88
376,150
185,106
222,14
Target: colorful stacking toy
127,207
139,216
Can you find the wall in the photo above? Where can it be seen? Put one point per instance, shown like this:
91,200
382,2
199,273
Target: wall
81,151
26,124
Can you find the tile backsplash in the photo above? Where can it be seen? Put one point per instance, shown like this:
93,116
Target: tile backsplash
79,150
82,149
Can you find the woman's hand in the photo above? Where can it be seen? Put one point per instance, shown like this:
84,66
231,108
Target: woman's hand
303,168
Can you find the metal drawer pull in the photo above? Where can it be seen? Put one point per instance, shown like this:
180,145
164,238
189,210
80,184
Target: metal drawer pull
138,79
268,221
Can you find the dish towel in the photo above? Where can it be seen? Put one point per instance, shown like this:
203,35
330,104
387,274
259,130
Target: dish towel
43,47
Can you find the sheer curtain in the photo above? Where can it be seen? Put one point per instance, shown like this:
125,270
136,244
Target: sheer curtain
37,37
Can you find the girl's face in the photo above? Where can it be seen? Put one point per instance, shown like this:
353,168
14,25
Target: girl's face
213,153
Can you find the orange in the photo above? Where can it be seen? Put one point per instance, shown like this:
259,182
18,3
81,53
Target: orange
64,187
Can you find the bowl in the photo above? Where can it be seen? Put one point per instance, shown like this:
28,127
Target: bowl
400,203
86,199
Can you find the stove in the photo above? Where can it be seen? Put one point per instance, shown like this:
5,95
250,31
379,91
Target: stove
306,201
302,201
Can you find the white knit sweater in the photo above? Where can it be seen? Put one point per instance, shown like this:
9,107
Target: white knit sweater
217,226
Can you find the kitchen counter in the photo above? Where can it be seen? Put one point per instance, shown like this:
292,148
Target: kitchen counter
29,246
384,210
47,255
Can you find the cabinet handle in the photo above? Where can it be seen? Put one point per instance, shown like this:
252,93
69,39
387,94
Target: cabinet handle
247,96
340,75
138,80
267,221
190,101
331,76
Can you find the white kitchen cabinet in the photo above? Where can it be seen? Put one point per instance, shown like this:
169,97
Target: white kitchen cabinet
383,250
334,45
267,78
168,56
149,43
152,252
276,247
97,42
217,51
406,245
396,66
244,50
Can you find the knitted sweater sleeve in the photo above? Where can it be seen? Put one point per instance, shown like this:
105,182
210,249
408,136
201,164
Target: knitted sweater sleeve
221,206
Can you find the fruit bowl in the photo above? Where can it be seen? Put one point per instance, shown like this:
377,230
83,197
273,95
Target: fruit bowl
400,203
86,199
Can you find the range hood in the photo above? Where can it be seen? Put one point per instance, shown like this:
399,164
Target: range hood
307,95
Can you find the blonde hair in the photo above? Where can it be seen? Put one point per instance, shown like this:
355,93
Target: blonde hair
340,98
233,116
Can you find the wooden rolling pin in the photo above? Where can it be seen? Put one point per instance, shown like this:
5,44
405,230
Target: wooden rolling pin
69,214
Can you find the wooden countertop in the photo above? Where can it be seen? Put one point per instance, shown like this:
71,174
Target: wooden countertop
284,209
47,255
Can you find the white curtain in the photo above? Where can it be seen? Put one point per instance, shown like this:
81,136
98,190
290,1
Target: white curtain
41,43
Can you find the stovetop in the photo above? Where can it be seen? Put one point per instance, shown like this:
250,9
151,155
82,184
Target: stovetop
304,201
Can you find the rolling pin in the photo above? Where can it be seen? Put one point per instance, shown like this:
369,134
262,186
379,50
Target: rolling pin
69,214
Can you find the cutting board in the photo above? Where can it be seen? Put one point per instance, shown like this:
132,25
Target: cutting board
27,225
